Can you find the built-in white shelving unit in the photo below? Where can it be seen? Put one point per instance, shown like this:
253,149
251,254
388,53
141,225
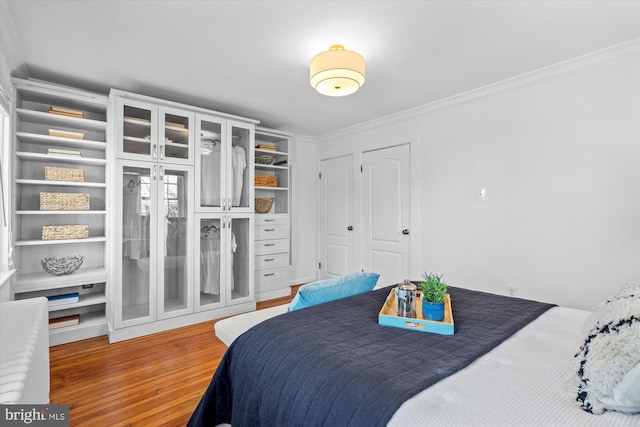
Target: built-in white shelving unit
36,131
272,228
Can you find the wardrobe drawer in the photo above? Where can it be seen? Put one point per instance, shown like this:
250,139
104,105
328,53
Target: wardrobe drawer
263,262
271,219
275,231
269,280
266,247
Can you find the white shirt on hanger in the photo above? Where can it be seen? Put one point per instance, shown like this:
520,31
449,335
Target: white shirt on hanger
239,164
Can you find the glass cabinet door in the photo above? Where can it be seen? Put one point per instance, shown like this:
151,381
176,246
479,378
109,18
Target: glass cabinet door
240,185
210,164
226,261
209,292
136,133
137,249
175,250
175,136
240,269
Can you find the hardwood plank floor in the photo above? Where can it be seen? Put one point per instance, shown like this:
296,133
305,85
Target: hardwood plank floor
155,380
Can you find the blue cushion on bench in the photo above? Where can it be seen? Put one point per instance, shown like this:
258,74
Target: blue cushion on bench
332,289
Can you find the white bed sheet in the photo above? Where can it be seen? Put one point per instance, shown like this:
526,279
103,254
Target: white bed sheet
522,382
227,330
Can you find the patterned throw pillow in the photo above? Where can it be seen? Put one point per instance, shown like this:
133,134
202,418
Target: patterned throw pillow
608,359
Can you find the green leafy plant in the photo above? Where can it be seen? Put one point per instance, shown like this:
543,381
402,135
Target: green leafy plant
433,288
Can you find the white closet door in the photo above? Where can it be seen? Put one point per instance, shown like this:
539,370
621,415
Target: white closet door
336,217
386,188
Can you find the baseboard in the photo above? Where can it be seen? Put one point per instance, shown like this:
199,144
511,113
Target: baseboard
116,335
278,293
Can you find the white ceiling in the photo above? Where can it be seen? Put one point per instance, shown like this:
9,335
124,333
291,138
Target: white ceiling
251,58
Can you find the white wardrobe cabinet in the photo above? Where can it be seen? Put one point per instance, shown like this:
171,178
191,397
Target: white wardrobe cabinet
155,234
225,260
223,164
148,131
184,221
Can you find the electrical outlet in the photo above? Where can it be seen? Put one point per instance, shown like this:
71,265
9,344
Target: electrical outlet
512,291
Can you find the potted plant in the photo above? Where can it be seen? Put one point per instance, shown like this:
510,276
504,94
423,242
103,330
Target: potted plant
434,291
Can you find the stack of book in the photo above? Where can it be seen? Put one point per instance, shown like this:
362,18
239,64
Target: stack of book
69,112
62,322
66,134
56,300
64,152
266,147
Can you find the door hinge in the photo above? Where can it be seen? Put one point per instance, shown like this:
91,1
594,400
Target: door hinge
361,168
319,175
319,266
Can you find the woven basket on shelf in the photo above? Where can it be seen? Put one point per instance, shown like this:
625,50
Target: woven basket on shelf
62,265
63,174
264,159
266,180
64,232
263,205
64,201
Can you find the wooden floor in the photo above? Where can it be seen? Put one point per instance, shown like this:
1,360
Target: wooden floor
155,380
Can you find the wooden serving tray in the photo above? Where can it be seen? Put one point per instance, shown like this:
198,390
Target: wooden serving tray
388,317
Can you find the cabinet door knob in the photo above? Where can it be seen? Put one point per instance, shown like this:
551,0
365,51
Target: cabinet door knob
405,231
350,228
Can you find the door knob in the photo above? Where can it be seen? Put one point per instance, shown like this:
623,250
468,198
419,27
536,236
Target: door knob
350,228
405,231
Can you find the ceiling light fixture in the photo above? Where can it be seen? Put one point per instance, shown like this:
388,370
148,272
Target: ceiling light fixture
337,72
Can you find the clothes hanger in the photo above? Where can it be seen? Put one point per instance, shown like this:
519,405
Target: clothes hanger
208,228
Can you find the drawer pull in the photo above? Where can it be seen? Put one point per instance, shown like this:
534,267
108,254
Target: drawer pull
269,220
270,259
270,244
269,274
270,229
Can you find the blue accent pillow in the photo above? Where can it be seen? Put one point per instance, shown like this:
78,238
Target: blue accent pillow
331,289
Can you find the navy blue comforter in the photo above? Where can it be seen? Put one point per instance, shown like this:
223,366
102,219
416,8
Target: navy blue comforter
333,365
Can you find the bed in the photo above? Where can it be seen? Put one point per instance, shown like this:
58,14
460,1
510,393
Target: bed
508,363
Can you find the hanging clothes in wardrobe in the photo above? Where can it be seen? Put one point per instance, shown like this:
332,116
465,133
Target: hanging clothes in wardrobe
210,261
238,164
234,248
211,164
135,225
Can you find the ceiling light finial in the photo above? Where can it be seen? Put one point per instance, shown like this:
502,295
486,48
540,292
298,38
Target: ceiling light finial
337,72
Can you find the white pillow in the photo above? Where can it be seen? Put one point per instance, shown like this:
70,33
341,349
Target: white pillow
626,395
610,352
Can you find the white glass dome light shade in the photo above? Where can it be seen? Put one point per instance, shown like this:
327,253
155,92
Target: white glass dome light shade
337,72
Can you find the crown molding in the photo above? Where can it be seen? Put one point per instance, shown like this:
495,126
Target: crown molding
610,55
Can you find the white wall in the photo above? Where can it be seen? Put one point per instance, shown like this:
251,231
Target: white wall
560,160
10,59
303,210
